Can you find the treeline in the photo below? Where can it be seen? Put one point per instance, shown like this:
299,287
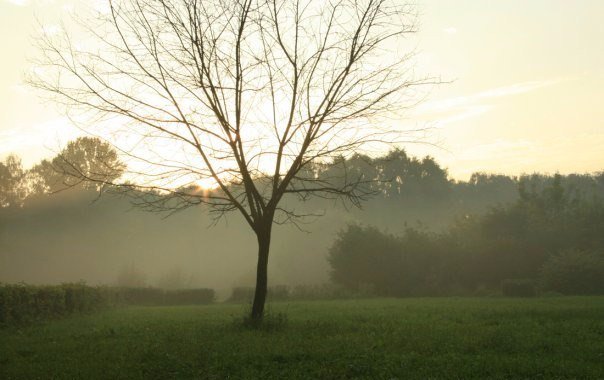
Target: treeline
84,163
550,240
420,187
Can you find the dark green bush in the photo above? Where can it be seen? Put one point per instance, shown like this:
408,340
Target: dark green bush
574,272
518,288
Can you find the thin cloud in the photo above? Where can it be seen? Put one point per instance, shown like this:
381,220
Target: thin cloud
466,113
518,88
464,107
518,156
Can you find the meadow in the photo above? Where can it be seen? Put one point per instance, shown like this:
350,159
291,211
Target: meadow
418,338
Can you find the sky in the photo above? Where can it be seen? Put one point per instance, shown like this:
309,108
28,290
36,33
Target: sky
522,92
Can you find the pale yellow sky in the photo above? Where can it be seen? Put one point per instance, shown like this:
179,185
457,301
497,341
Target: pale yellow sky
527,90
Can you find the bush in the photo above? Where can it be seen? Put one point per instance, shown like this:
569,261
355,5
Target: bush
365,256
518,288
368,262
574,273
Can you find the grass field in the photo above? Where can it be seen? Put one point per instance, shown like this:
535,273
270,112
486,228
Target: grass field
367,339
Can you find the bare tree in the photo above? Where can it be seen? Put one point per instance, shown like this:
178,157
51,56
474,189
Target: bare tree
246,96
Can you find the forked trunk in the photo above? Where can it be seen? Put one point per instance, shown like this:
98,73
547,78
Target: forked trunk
264,241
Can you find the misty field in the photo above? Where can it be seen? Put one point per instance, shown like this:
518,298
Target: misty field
561,337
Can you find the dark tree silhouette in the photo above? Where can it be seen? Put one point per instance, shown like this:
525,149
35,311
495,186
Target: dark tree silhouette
85,162
244,96
12,190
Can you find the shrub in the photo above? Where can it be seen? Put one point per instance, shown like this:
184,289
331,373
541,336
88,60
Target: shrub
518,288
362,256
574,273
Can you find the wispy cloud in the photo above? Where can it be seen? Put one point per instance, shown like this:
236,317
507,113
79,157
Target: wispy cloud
462,107
514,89
517,156
450,30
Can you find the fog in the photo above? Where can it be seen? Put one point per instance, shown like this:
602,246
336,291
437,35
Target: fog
77,235
74,236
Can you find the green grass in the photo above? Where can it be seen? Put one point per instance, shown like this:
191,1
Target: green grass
366,339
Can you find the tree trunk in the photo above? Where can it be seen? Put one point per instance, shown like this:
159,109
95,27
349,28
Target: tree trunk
264,241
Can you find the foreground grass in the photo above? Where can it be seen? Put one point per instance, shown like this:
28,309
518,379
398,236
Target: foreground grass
373,339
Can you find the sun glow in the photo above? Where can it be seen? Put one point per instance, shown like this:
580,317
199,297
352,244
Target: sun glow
206,185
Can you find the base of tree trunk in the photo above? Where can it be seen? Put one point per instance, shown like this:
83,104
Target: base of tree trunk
261,279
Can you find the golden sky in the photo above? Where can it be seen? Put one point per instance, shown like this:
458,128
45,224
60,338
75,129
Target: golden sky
526,91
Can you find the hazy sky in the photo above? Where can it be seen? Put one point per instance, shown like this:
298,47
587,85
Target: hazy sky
527,91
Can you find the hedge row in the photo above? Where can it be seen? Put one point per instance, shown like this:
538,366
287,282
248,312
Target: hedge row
160,297
300,293
27,303
246,294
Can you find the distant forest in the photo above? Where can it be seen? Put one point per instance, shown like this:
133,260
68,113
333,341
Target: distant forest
453,234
